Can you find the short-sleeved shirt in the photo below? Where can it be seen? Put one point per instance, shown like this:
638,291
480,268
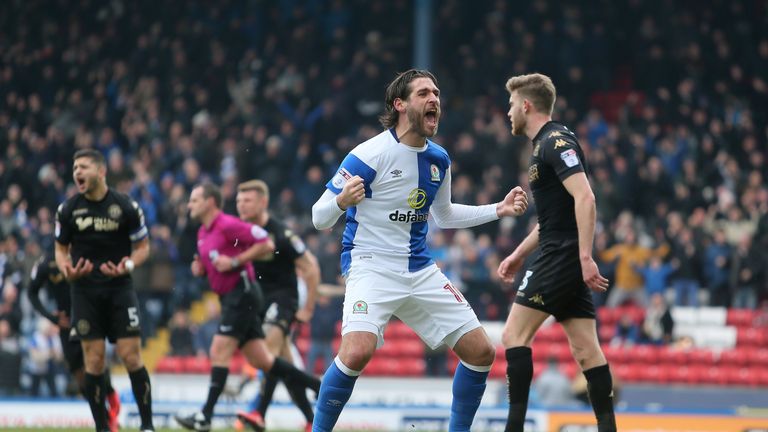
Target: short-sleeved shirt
389,227
277,271
100,231
228,236
556,156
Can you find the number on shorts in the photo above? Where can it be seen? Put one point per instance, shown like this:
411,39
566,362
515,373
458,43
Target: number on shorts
455,292
133,317
524,283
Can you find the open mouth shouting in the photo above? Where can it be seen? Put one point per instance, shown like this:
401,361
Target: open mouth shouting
431,117
82,184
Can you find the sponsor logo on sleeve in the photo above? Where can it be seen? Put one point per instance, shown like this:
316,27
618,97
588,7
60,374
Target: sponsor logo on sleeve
570,158
257,232
340,178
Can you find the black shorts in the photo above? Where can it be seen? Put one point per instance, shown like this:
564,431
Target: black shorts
241,312
109,311
554,284
280,309
73,351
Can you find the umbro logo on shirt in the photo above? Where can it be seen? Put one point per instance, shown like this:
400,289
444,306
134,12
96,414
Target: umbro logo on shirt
396,173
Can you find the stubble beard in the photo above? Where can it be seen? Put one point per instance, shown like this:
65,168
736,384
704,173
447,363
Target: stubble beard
518,126
417,124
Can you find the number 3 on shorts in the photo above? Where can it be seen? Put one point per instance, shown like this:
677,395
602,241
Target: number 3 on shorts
133,317
524,283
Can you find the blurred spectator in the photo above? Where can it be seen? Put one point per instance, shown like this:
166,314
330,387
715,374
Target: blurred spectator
629,255
658,323
10,307
10,360
46,358
686,259
716,270
655,275
747,270
321,333
182,337
552,388
627,332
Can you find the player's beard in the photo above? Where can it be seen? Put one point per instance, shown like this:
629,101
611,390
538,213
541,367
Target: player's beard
519,123
417,123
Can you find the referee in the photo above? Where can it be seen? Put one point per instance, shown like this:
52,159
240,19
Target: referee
226,247
100,238
559,281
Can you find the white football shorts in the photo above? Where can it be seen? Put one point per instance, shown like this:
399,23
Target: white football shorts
424,300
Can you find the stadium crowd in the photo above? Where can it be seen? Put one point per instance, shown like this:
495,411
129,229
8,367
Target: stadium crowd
667,99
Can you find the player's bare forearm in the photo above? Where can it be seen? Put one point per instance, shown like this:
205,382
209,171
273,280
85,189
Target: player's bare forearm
584,205
310,271
529,244
140,252
586,213
62,257
259,250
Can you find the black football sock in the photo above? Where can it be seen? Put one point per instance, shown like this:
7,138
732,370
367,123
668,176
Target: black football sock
218,380
95,392
600,390
289,374
267,391
519,376
108,381
142,392
299,398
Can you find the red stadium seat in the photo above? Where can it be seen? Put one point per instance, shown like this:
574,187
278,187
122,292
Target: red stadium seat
617,355
750,337
644,354
738,356
498,370
681,374
653,374
606,333
303,345
762,376
738,376
197,365
236,364
413,367
552,333
569,369
172,365
702,357
627,372
607,316
673,356
740,317
758,357
399,330
303,331
713,375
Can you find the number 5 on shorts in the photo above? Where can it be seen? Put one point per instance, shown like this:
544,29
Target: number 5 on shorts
524,283
133,317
